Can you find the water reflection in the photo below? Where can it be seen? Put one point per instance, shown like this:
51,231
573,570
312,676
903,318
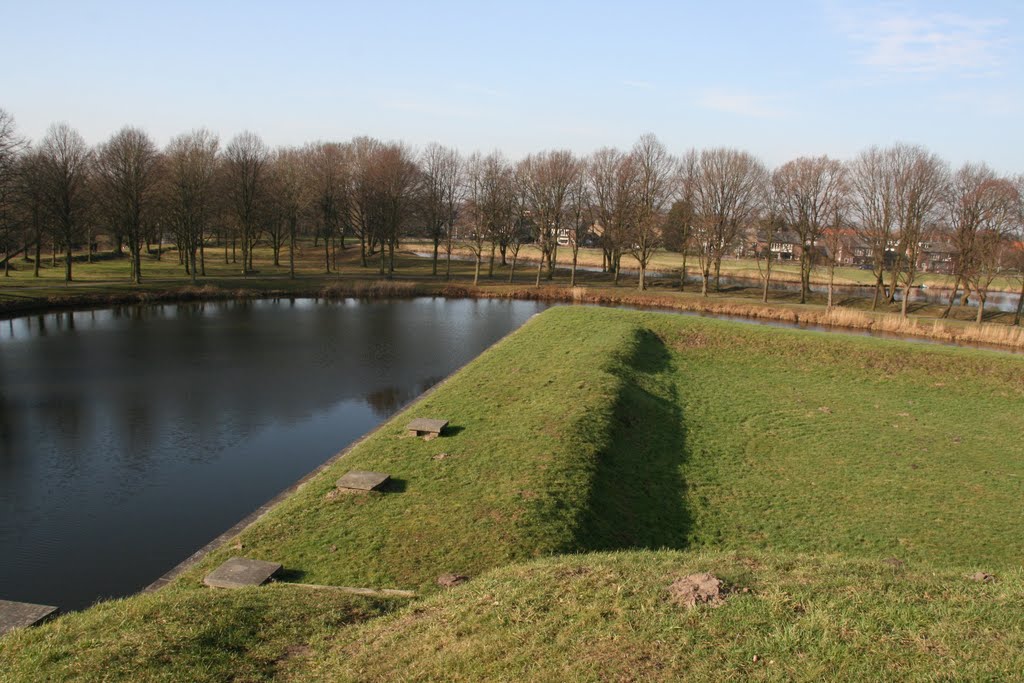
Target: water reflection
131,436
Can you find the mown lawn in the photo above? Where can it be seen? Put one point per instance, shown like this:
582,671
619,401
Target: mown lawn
608,617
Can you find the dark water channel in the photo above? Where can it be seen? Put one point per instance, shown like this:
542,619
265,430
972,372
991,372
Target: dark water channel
130,437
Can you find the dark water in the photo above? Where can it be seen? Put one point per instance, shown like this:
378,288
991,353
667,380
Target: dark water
130,437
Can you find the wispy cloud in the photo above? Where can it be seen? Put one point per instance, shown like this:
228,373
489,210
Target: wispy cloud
741,103
905,42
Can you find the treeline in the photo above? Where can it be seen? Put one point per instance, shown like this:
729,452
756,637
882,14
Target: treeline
706,204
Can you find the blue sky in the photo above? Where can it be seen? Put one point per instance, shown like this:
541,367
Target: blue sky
779,79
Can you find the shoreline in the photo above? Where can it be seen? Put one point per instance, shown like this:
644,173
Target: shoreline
957,332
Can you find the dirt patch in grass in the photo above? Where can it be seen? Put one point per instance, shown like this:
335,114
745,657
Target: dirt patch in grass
696,589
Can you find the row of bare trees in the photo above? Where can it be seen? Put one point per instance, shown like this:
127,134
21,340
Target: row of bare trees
705,204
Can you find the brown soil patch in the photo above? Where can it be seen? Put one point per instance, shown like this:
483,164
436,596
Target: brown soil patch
337,493
696,589
451,580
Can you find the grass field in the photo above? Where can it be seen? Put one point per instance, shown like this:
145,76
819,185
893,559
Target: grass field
849,484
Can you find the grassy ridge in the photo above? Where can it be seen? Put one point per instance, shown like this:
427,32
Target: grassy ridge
607,617
175,635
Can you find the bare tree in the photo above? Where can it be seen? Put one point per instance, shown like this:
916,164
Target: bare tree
728,186
487,205
678,230
190,193
968,203
439,193
362,199
921,180
1017,249
328,175
11,147
656,187
31,202
245,165
66,165
127,178
873,205
613,180
771,225
544,181
1000,200
290,189
808,191
580,218
395,178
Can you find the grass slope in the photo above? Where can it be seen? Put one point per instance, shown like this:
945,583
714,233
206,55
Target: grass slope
607,617
174,635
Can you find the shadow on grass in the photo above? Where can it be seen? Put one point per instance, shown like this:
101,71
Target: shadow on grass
636,498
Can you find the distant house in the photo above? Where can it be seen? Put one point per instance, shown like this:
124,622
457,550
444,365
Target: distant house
936,257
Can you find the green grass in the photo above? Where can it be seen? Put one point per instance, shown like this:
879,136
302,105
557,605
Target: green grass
796,464
607,617
174,635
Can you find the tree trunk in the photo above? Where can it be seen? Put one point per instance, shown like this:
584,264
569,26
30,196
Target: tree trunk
682,274
137,257
831,284
1020,303
39,248
981,308
718,274
327,255
67,262
767,278
572,275
191,257
803,277
642,282
878,291
476,270
512,272
291,254
490,267
705,277
952,298
437,243
448,265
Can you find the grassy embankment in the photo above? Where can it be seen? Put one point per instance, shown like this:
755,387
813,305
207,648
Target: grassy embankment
849,484
105,282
